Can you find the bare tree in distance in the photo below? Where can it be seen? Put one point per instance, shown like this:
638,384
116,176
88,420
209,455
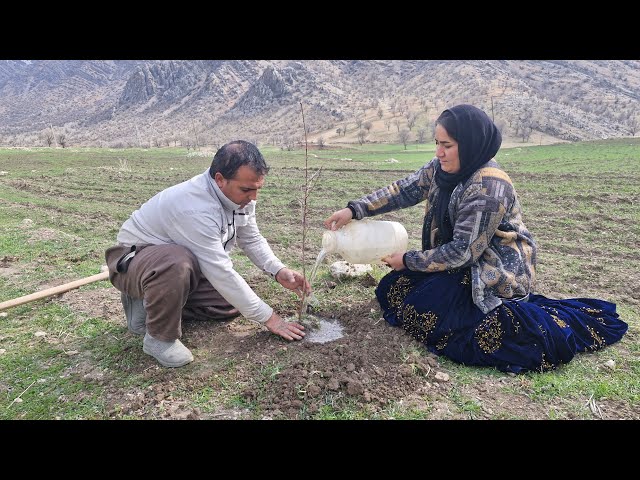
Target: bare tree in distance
492,107
411,120
62,140
403,136
361,136
48,138
367,126
422,135
380,113
633,125
196,139
397,124
320,142
387,123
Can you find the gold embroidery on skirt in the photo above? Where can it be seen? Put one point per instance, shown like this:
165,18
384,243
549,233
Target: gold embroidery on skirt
514,322
591,311
554,314
443,341
561,323
598,341
398,292
489,333
545,365
418,325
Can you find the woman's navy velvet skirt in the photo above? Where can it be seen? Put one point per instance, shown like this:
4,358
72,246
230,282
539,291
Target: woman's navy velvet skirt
437,309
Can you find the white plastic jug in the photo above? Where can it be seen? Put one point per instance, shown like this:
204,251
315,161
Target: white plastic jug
366,241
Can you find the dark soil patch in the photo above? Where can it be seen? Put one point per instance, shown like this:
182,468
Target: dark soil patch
373,369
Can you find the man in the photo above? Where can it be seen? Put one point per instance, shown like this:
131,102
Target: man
172,259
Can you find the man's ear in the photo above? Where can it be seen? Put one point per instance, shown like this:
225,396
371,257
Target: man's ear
220,180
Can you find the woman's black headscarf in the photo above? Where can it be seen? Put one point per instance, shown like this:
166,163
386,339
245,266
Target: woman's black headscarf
478,141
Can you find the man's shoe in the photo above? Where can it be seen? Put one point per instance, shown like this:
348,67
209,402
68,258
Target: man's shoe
169,354
135,313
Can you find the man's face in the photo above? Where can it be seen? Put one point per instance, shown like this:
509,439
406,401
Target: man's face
243,187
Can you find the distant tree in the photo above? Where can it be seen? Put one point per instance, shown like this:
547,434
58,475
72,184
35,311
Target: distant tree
411,120
288,144
157,143
344,130
338,131
502,125
48,138
387,123
432,129
422,135
380,113
633,125
524,125
523,130
361,136
320,142
359,122
367,126
62,140
403,136
397,124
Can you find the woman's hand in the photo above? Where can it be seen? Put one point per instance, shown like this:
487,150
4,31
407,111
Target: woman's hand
395,260
338,219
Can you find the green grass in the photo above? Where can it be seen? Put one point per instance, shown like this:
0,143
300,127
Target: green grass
60,209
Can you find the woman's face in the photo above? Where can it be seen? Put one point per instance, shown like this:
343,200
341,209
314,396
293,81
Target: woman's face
447,151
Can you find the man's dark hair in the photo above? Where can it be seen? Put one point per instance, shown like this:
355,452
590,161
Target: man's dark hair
233,155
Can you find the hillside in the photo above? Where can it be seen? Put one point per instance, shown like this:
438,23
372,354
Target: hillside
208,102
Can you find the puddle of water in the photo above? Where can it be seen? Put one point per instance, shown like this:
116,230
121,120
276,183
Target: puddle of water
327,331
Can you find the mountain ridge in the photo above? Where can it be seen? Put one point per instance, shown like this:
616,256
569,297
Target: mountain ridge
208,102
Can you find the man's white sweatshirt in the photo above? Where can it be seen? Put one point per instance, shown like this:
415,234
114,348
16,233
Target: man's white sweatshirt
197,215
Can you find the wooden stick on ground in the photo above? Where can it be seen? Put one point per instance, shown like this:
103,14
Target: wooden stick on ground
54,290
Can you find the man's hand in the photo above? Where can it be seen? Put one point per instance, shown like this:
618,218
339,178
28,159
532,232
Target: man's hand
293,281
395,260
287,330
338,219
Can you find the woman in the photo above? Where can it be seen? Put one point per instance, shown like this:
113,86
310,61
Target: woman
468,294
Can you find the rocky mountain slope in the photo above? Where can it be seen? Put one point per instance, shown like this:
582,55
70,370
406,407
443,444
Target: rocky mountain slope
208,102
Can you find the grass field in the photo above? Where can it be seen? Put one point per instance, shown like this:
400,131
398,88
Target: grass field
71,357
